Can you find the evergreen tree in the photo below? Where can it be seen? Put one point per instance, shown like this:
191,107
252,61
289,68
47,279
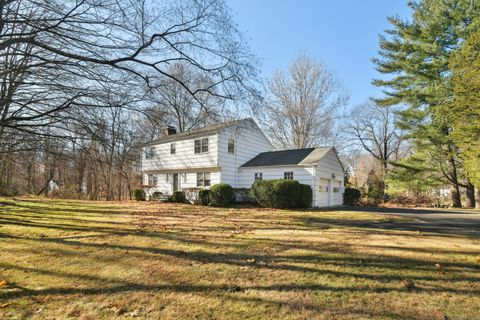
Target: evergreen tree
416,54
465,111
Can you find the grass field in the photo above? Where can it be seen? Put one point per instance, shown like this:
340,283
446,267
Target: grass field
96,260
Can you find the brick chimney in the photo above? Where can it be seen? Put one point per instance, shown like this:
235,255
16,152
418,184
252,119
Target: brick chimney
169,130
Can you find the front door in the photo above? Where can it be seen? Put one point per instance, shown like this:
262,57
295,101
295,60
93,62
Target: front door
175,182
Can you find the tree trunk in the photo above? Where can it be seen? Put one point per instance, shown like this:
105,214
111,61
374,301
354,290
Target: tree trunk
470,196
456,201
477,198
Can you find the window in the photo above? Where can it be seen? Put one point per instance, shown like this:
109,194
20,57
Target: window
204,145
323,188
198,146
152,180
207,179
173,148
201,145
150,153
258,176
203,179
335,189
231,146
288,175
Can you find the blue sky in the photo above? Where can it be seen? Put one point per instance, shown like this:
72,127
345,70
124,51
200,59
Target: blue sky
341,33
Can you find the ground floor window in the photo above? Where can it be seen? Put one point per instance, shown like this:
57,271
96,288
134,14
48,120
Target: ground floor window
152,179
288,175
258,176
203,179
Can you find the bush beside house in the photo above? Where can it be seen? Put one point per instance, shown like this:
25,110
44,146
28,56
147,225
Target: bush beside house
179,197
281,193
139,194
221,195
351,196
204,197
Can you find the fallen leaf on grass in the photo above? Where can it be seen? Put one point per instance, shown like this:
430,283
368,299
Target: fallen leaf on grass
4,305
3,283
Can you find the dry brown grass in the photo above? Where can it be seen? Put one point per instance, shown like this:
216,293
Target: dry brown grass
98,260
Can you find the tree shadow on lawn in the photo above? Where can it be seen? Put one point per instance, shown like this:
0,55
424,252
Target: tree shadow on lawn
379,268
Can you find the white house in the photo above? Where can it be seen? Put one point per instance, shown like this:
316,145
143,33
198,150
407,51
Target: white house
237,153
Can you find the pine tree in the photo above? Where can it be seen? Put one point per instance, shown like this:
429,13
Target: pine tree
465,111
416,55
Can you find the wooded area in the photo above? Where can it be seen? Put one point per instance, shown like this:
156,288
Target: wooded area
85,83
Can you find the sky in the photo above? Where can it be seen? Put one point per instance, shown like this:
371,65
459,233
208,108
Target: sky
343,34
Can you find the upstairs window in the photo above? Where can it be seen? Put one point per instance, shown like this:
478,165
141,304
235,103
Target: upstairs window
149,153
203,179
201,145
173,148
204,145
152,180
258,176
288,175
231,146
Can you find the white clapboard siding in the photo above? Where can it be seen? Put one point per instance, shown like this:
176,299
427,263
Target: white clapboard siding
184,156
186,180
303,175
249,142
328,167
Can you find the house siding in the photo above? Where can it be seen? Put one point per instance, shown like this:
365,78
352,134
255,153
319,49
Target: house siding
327,166
186,180
184,157
249,142
303,175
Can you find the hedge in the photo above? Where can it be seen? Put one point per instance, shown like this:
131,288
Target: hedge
282,193
204,197
139,195
179,196
306,196
221,195
351,196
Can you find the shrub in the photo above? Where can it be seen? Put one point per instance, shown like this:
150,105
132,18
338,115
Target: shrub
262,192
242,195
286,193
156,195
282,193
351,196
221,195
179,196
139,195
204,197
305,196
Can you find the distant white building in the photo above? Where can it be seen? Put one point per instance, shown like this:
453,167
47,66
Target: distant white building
237,153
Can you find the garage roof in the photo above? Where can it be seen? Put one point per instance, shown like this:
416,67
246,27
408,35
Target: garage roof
307,156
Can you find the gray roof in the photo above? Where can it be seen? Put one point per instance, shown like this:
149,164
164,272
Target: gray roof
308,156
198,132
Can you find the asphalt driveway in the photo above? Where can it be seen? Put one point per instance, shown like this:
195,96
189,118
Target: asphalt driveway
443,221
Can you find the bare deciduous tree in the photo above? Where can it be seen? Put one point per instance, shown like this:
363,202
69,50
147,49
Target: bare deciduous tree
302,106
177,107
373,127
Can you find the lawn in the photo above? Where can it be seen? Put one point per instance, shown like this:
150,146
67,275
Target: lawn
97,260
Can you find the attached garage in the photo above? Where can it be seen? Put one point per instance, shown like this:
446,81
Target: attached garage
318,167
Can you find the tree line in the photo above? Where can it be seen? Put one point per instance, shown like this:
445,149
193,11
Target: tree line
85,83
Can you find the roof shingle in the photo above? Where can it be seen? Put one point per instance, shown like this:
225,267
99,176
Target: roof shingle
287,157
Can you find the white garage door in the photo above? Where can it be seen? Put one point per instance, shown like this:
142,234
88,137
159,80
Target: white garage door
323,193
